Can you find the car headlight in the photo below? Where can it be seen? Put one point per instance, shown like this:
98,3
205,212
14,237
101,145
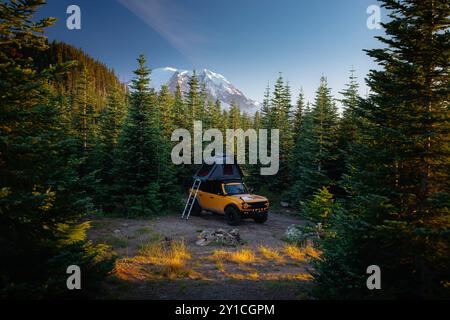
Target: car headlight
245,205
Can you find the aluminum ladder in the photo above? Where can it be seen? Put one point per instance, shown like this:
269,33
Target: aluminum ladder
191,200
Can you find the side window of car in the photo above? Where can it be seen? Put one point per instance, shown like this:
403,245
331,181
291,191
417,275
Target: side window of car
220,189
217,188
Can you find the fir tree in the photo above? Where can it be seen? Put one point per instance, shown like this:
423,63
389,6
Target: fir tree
398,216
257,121
193,100
82,111
315,151
305,174
347,125
298,114
166,107
281,112
234,117
136,157
325,128
267,119
216,116
110,125
40,206
179,109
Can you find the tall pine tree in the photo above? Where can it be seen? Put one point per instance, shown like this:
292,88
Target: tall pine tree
398,216
137,185
40,207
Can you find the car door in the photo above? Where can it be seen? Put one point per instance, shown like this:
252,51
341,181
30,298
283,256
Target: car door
216,198
203,195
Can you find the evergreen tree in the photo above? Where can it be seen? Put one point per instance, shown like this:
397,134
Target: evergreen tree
267,119
166,107
325,127
181,121
64,84
40,207
257,121
298,114
216,116
202,103
305,174
225,122
136,157
193,100
110,125
281,112
347,125
179,109
163,185
234,115
82,111
315,152
397,216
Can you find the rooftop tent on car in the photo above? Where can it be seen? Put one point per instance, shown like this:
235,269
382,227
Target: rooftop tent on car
223,168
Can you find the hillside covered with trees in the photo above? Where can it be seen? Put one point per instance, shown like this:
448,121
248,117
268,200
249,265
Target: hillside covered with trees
75,143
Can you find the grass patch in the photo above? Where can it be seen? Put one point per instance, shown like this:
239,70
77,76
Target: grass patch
271,254
243,256
295,253
157,261
312,252
301,254
220,266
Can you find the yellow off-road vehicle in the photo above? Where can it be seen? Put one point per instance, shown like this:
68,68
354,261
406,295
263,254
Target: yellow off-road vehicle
219,188
232,199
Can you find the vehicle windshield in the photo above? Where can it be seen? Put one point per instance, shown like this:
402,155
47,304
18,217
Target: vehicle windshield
235,188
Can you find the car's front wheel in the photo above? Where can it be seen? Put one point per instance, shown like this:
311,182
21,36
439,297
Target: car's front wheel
233,216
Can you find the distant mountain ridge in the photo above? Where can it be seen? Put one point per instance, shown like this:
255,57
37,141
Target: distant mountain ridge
101,77
217,86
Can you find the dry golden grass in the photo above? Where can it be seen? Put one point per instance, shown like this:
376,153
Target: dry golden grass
244,256
220,266
254,276
257,276
288,276
130,269
312,252
169,261
157,260
271,254
295,253
301,254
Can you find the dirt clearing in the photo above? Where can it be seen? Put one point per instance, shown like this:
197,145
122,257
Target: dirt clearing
158,259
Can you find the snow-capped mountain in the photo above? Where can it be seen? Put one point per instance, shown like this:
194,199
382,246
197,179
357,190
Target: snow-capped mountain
217,86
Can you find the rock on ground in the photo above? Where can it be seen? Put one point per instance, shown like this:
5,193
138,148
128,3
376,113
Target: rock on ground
229,238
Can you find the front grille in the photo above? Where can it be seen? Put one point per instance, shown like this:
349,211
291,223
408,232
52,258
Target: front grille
257,205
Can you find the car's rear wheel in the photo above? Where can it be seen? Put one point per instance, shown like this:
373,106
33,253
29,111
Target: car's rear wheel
233,216
196,209
261,218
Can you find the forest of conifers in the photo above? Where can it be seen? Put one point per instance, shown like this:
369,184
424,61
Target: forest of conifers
75,142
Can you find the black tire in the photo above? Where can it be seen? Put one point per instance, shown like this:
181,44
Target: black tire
196,209
261,218
233,216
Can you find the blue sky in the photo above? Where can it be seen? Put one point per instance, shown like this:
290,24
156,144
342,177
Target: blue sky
248,41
